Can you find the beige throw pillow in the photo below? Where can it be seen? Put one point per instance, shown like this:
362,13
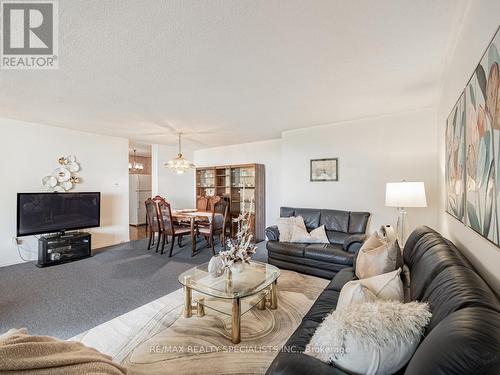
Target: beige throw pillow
388,287
300,234
286,226
377,256
354,292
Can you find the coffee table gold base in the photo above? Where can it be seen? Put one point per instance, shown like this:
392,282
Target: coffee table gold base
188,308
262,302
236,309
274,295
236,322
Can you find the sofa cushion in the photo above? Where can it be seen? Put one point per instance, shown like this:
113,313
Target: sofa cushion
429,257
324,305
424,238
286,248
456,288
329,253
287,212
341,278
465,342
287,263
358,222
335,220
312,263
310,215
302,335
290,362
335,237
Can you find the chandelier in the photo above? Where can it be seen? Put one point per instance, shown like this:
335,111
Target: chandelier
179,164
134,165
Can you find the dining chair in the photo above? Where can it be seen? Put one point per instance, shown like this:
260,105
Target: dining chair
152,222
217,223
202,203
208,207
168,227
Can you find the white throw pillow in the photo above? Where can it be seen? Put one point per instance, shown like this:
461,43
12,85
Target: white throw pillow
388,287
286,225
354,292
374,338
301,235
377,256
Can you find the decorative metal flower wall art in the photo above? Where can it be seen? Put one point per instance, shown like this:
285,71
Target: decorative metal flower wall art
64,177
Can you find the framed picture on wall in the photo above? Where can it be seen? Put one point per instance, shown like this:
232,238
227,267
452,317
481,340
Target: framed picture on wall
482,143
324,170
455,160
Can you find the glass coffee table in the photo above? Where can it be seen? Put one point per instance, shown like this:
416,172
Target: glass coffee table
233,293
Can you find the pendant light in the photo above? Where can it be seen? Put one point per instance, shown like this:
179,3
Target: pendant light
135,166
179,164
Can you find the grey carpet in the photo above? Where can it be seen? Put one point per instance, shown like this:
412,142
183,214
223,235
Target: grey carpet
67,299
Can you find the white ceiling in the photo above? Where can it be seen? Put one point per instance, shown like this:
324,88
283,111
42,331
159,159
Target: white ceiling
228,71
141,149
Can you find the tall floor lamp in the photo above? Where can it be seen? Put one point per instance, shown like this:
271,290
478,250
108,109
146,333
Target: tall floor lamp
404,195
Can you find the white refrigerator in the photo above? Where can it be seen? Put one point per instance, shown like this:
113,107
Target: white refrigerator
140,190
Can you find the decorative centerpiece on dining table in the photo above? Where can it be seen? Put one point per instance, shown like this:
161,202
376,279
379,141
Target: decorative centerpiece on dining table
239,249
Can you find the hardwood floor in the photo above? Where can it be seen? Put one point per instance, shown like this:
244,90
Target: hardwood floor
137,232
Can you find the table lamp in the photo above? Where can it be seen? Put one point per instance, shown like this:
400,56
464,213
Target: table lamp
404,195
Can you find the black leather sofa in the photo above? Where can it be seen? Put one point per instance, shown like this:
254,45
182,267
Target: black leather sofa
345,231
463,336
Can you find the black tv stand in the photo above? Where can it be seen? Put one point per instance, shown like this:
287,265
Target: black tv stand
63,247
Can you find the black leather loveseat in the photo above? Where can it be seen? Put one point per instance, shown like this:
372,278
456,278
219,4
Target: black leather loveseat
463,336
345,231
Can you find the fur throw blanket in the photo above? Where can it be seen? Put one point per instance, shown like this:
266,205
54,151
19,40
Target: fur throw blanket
23,354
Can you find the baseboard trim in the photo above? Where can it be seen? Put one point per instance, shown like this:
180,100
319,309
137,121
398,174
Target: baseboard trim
12,263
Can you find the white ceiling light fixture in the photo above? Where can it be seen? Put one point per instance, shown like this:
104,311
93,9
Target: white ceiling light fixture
135,166
179,164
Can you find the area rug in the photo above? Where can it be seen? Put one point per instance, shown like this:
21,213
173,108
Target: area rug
157,339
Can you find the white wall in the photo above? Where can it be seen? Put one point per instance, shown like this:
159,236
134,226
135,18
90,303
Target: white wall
177,189
371,152
479,25
30,151
265,152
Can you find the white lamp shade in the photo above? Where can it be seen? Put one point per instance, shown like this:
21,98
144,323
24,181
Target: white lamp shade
405,194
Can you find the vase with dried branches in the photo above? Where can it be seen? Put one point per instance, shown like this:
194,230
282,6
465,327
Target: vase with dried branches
239,249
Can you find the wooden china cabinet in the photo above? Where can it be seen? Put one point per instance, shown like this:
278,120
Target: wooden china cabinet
243,186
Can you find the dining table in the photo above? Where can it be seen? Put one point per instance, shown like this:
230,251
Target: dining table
192,216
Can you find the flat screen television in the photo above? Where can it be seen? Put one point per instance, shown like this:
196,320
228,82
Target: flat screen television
39,213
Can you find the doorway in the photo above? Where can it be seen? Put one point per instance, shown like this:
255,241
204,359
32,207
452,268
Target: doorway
139,188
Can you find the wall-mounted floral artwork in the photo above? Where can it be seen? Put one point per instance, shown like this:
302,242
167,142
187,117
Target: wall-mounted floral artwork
483,144
455,160
482,148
